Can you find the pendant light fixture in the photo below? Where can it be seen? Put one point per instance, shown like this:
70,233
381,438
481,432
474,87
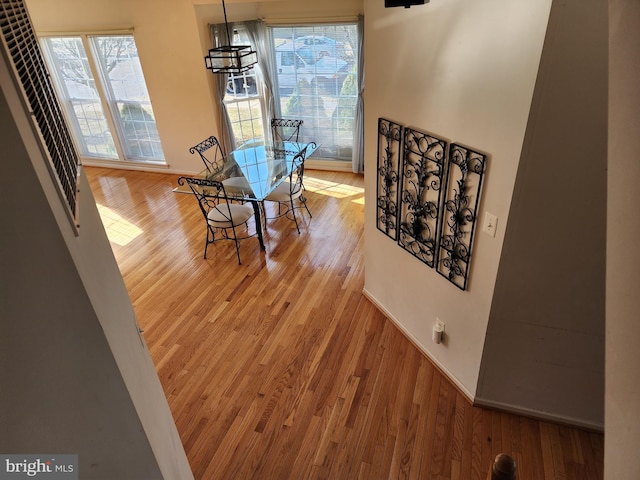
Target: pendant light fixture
230,59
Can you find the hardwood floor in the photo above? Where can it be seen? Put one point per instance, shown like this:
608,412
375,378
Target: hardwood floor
279,368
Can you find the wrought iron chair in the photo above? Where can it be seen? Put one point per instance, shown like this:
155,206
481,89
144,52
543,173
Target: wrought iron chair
290,190
221,216
214,160
210,152
285,130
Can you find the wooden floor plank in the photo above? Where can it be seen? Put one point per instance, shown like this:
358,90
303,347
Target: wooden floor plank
280,368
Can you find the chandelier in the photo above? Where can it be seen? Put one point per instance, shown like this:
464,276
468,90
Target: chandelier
230,59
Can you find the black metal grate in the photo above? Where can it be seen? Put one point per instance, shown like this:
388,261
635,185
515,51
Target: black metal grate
21,46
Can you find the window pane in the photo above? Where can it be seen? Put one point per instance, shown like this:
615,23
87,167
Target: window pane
243,102
79,96
316,69
246,119
120,69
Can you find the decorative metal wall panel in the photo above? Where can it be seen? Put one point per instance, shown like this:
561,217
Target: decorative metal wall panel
389,138
459,217
423,163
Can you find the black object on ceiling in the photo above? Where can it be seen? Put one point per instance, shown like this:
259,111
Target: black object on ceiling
230,59
403,3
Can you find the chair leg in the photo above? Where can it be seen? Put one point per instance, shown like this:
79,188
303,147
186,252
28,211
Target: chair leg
304,202
291,208
207,241
238,252
211,238
295,219
237,242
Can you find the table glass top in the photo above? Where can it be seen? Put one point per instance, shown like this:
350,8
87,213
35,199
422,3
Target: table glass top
254,169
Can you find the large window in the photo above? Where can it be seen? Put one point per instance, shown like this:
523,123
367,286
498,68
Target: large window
315,80
102,88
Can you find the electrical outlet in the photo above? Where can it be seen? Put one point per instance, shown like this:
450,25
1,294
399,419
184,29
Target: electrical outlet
437,335
490,224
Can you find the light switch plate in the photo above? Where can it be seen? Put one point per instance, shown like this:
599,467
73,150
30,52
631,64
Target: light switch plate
490,224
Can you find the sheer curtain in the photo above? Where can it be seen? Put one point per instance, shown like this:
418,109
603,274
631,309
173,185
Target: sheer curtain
357,159
258,38
219,38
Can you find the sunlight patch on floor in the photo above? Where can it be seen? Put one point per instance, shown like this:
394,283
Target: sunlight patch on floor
119,230
333,189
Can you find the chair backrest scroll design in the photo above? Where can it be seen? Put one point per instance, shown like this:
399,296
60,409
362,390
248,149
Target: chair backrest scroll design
285,130
209,193
212,159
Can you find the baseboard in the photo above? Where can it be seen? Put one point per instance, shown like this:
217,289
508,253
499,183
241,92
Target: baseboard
122,165
311,164
481,402
436,363
331,165
539,415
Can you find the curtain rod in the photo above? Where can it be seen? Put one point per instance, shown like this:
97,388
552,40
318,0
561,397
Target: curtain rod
304,20
104,31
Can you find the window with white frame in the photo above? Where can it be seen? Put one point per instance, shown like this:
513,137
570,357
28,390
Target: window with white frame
102,88
243,101
317,79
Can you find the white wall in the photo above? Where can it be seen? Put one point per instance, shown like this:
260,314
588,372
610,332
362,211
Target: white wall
464,71
623,261
77,377
172,39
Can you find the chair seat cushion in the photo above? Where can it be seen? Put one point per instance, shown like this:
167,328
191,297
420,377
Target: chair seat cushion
235,185
221,215
282,193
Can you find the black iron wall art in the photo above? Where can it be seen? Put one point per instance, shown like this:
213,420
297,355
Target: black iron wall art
389,138
423,163
463,186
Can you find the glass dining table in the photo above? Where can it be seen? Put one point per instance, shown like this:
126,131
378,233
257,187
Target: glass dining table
252,171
